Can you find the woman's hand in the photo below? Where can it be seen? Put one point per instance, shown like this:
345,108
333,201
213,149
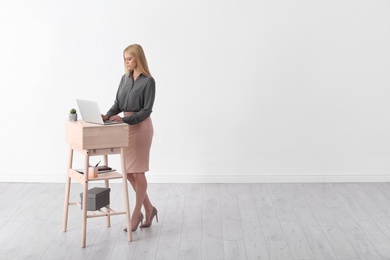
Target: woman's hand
116,118
104,117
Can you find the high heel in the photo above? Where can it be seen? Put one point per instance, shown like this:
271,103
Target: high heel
154,213
140,219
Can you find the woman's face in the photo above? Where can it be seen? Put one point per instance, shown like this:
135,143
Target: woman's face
130,61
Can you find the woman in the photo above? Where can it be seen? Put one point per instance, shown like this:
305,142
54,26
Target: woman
135,98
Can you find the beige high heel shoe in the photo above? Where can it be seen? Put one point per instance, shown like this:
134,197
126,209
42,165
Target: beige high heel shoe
154,213
140,219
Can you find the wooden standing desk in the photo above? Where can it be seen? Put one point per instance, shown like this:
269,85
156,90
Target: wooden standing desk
95,140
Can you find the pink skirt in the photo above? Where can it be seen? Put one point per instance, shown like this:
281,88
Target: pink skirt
140,141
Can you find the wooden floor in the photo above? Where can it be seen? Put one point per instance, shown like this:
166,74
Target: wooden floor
205,221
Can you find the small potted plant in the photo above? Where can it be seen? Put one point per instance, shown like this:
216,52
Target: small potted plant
73,115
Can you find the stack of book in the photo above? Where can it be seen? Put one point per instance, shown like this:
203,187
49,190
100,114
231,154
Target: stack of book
101,169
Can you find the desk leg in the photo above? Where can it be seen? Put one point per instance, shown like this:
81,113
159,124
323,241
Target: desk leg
126,194
108,219
67,192
85,202
106,184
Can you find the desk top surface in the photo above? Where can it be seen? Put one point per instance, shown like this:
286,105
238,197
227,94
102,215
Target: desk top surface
87,124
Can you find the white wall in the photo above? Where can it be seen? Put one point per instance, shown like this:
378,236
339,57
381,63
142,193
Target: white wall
246,90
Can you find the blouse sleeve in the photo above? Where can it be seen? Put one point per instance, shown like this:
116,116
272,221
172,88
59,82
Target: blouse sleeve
114,110
147,100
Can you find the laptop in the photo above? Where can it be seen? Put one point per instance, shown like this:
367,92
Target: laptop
90,112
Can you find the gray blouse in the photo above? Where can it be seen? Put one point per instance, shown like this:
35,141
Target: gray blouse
134,96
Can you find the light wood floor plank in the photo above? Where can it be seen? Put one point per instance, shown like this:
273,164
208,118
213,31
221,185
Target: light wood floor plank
234,249
347,224
294,195
270,224
309,224
261,195
280,202
316,203
255,244
339,242
231,230
211,205
227,195
328,195
322,250
377,195
377,238
193,196
278,250
212,240
365,249
296,240
350,202
190,249
144,249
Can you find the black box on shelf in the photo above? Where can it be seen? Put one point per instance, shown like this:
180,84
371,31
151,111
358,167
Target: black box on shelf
97,198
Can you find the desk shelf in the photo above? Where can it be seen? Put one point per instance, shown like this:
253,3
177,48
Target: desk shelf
75,175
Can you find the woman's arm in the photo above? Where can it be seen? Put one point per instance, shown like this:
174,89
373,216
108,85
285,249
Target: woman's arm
148,101
114,110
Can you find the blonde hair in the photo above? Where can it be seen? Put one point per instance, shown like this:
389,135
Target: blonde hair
138,52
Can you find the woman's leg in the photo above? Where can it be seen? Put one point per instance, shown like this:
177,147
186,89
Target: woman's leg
131,179
147,204
139,183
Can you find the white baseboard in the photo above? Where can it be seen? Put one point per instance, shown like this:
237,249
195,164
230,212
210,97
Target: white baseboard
259,178
266,178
